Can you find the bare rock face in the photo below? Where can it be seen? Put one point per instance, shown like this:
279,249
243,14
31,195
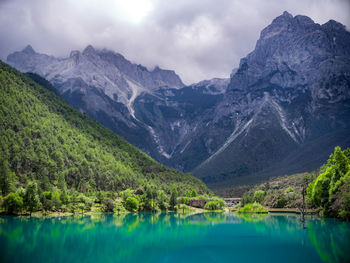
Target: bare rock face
282,111
286,106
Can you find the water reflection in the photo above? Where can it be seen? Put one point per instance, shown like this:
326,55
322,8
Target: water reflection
171,237
329,237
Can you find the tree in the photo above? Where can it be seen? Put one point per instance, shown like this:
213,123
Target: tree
13,203
56,199
31,198
247,198
162,200
46,201
215,205
108,205
131,204
173,198
259,196
194,193
151,195
126,193
281,201
7,178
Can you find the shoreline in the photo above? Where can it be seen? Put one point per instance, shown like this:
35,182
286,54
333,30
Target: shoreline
195,210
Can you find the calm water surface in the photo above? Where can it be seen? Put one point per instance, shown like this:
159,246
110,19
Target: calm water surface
170,237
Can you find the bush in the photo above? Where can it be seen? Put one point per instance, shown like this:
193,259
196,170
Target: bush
182,208
289,190
215,205
131,204
247,198
46,200
119,208
56,199
281,201
259,196
126,193
183,200
13,203
108,205
253,208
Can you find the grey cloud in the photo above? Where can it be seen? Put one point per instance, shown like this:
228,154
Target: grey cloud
199,39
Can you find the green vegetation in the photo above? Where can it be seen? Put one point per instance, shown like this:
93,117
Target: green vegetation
253,208
331,189
279,192
131,204
328,188
215,205
53,158
31,197
13,203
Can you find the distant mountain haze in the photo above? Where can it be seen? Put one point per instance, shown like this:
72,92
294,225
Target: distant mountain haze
282,111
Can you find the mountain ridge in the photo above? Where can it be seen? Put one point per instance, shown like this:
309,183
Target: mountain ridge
289,92
45,139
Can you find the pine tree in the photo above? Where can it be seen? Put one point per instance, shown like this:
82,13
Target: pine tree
173,198
31,198
7,178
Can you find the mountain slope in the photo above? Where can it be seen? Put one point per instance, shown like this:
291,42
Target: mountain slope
151,109
103,84
44,138
290,96
281,112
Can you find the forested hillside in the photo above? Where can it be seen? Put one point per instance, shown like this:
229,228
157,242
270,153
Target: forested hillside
43,139
328,188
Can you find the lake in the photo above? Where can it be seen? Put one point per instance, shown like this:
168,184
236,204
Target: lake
171,237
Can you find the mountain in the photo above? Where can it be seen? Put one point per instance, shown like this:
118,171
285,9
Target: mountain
151,109
287,105
45,139
101,83
281,111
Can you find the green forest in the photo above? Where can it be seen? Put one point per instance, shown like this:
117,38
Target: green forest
54,157
327,189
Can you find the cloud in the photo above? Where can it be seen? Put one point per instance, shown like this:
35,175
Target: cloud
199,39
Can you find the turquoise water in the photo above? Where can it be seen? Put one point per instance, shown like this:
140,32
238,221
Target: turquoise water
170,237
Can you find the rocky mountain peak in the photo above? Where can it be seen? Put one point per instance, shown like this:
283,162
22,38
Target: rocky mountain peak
28,50
334,25
156,69
283,19
75,55
89,50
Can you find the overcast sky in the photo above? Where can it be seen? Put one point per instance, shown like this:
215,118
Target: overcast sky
199,39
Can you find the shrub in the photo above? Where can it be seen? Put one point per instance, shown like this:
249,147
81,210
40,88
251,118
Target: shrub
108,205
183,200
259,196
281,201
182,208
215,205
126,193
247,198
119,208
253,208
13,203
56,199
46,201
131,204
289,190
